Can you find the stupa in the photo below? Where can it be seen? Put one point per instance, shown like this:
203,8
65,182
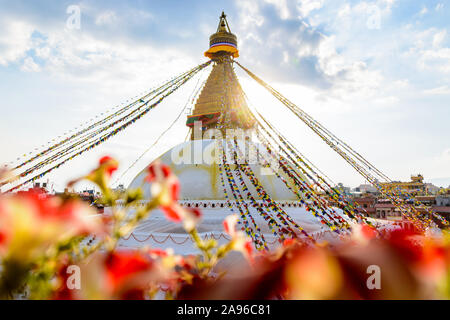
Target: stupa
220,107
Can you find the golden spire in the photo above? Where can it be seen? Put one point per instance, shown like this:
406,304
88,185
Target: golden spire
223,41
222,102
223,24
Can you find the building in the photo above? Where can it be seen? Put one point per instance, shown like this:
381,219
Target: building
38,188
426,200
343,189
365,188
203,181
443,200
366,205
119,189
415,187
386,210
442,206
431,189
442,211
221,105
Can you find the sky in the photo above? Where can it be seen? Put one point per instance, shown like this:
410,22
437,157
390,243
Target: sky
375,73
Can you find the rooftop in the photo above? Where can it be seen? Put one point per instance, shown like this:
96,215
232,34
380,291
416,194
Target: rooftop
441,209
384,205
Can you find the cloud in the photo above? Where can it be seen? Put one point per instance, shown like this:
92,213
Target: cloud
81,55
291,50
30,66
438,60
305,7
363,15
15,40
106,18
282,8
249,14
423,12
124,18
438,38
439,6
442,90
429,51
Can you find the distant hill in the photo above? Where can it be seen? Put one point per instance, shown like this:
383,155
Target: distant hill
440,182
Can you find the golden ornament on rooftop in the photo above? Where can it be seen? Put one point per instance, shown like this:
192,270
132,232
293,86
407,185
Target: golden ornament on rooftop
223,42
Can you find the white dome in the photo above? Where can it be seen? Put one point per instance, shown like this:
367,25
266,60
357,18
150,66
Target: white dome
199,176
201,186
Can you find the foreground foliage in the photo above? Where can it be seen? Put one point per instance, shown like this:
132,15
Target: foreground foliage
60,248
